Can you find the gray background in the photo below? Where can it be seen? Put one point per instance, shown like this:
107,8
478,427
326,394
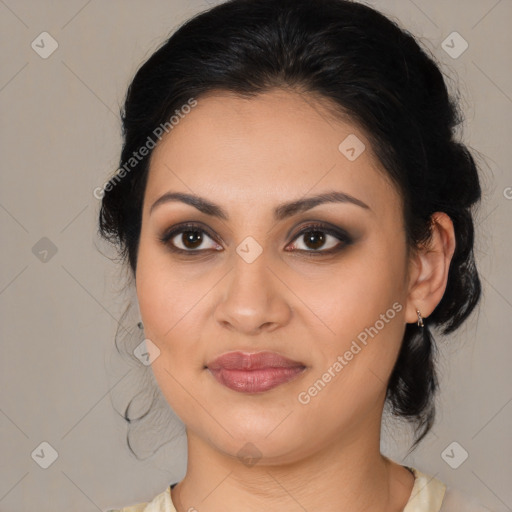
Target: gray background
60,138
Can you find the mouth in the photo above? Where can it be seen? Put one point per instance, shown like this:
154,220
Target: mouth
254,372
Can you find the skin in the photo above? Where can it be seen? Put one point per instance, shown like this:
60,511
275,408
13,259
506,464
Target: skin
247,156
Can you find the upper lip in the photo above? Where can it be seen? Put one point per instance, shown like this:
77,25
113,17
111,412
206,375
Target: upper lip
252,361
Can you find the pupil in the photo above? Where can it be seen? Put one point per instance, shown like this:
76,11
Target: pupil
192,239
316,239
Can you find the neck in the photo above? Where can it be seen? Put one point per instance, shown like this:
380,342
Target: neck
350,474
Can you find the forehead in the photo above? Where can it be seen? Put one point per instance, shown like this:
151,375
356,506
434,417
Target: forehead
274,146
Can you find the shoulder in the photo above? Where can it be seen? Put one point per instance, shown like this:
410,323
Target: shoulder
429,494
160,503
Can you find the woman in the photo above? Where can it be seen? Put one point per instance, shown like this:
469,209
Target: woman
296,214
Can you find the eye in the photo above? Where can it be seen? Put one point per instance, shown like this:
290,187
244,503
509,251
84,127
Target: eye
189,238
318,238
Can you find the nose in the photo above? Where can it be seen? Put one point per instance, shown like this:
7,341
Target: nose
253,298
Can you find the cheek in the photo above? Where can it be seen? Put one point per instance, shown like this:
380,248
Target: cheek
169,307
359,289
164,295
175,305
350,381
363,306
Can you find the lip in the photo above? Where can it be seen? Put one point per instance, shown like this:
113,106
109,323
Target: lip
254,372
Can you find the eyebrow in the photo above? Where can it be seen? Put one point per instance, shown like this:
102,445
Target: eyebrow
281,211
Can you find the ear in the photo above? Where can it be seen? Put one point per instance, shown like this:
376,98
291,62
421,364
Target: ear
428,269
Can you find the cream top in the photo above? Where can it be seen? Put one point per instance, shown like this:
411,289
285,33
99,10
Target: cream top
428,495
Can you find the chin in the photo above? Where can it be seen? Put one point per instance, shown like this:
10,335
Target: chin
259,444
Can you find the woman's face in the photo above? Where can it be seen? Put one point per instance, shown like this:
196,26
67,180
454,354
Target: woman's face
332,299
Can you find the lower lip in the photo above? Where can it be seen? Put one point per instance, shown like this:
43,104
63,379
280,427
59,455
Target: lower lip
255,381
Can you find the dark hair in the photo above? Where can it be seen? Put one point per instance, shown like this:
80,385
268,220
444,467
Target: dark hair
369,70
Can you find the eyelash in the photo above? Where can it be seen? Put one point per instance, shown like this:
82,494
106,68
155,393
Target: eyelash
341,235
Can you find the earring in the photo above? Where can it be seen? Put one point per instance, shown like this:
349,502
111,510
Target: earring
420,318
140,325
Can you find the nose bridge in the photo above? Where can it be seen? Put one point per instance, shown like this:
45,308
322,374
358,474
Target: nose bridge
252,297
251,279
252,252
